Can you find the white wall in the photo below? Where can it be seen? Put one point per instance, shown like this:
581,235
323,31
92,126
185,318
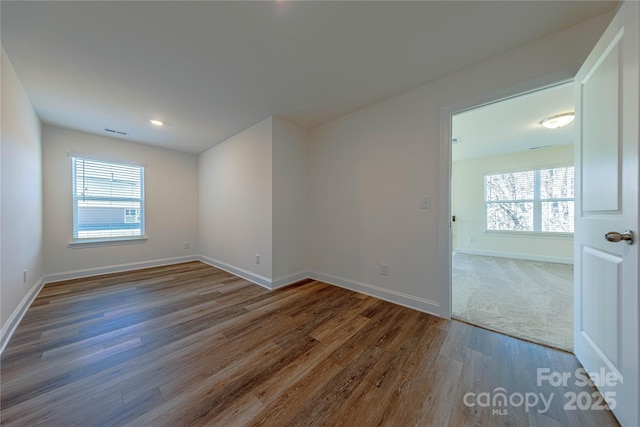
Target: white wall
253,200
21,201
290,201
171,204
235,216
468,206
369,169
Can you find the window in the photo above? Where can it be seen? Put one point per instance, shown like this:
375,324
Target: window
534,201
108,200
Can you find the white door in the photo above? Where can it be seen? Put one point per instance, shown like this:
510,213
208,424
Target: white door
606,273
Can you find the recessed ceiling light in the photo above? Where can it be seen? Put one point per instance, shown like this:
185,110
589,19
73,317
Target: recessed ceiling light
558,121
156,122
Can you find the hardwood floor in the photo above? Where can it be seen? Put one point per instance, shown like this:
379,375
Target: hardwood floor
189,344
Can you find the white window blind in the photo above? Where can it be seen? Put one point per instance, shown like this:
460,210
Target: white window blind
108,200
535,200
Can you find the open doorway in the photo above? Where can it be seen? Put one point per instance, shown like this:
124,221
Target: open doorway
513,213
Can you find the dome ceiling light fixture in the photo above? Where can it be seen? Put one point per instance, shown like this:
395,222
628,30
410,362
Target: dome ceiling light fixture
558,121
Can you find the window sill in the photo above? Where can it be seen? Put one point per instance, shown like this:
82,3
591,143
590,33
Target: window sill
529,234
93,243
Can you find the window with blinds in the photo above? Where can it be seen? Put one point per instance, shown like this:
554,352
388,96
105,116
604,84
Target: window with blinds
535,201
108,200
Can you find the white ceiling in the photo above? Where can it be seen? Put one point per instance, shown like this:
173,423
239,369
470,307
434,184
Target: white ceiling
212,69
512,125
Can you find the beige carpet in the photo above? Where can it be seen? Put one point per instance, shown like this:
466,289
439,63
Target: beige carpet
525,299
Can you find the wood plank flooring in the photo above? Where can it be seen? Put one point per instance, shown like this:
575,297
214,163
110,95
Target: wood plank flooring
191,345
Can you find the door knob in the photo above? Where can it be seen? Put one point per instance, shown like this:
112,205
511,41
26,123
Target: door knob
614,236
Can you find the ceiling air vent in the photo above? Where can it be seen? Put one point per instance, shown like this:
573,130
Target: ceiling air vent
456,140
119,132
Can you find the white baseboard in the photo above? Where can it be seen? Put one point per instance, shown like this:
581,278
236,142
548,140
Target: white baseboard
410,301
289,279
240,272
541,258
78,274
12,322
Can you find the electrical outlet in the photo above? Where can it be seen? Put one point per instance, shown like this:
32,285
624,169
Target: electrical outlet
384,269
257,258
425,202
187,245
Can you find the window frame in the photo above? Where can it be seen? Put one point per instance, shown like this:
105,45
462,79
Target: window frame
77,242
536,202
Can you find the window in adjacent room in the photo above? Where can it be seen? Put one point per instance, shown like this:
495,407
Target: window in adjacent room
531,201
108,200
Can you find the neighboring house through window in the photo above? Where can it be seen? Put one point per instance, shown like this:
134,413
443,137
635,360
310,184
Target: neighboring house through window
132,216
530,201
108,200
